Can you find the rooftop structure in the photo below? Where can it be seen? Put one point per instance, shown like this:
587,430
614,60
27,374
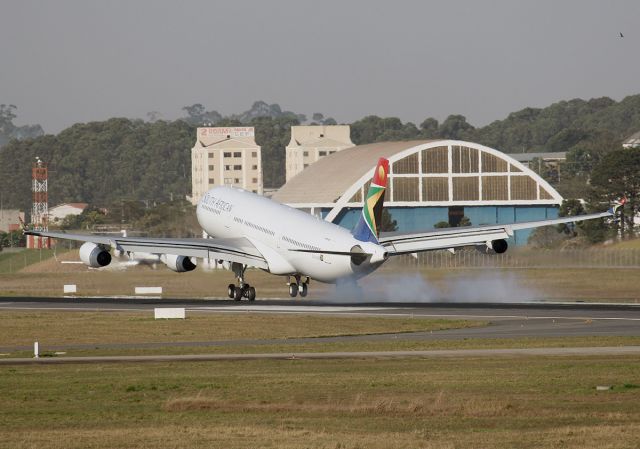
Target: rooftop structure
633,141
311,143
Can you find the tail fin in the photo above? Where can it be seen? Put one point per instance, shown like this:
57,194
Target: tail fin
368,227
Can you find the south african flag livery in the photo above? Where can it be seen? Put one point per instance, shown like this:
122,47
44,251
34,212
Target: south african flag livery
368,227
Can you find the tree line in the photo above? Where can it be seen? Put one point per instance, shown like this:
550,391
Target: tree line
117,160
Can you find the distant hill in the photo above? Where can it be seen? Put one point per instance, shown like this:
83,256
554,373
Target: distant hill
562,125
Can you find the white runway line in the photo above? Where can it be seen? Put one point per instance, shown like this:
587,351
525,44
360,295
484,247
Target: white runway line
265,308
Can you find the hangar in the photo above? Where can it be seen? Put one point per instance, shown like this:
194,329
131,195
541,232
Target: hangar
430,182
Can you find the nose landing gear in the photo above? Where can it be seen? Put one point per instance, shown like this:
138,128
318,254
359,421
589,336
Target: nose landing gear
243,289
298,287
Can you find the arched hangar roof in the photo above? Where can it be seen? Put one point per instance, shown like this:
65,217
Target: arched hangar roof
422,173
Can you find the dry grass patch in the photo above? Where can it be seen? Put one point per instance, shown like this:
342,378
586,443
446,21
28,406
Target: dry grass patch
436,404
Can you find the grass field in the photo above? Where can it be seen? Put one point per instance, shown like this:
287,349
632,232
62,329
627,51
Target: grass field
410,284
418,403
59,328
12,262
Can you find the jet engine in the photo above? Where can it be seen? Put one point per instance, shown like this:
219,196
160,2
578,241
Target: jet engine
94,256
179,264
493,247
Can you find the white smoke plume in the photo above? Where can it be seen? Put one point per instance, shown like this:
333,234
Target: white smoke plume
482,286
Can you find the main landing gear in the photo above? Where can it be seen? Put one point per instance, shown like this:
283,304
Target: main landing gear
298,287
242,290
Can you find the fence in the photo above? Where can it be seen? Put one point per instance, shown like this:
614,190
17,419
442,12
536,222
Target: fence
517,258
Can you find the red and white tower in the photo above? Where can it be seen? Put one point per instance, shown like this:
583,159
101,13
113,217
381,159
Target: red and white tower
40,210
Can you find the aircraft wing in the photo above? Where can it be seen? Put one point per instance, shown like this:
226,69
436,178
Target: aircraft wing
397,244
238,250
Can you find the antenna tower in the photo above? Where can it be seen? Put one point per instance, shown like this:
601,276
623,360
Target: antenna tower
40,210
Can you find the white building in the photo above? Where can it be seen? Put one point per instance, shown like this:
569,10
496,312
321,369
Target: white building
10,219
633,141
225,156
310,143
57,213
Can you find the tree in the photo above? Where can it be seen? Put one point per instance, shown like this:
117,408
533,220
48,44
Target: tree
618,175
10,131
454,127
429,128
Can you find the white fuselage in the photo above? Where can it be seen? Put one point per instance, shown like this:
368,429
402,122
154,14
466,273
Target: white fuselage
275,230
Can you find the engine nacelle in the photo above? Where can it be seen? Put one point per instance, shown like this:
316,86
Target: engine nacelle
94,256
179,264
493,247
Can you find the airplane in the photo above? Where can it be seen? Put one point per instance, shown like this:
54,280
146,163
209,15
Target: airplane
249,230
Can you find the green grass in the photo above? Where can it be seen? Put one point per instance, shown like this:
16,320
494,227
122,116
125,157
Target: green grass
62,328
12,262
541,402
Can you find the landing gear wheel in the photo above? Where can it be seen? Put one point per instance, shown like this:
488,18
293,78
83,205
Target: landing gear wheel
293,289
237,294
251,294
231,291
303,289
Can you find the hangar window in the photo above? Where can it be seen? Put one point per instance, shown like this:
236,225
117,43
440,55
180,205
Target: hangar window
435,160
405,189
407,165
514,169
493,164
366,187
523,188
465,160
466,188
544,195
435,189
495,188
357,197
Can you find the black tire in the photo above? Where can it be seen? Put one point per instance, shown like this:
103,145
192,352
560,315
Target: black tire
293,290
238,293
251,294
303,289
231,290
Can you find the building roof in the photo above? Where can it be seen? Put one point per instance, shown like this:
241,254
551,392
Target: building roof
324,142
74,205
308,135
340,179
326,180
632,141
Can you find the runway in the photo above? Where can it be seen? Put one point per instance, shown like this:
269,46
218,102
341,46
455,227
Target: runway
506,320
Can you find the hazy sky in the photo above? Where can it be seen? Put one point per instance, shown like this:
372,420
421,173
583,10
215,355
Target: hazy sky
64,61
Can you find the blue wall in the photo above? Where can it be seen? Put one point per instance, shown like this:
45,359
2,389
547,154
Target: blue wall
416,219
